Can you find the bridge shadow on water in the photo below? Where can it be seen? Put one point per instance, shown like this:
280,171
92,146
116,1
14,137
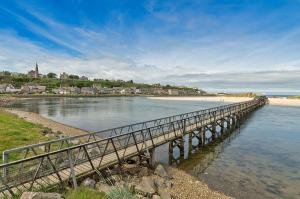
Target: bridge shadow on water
197,158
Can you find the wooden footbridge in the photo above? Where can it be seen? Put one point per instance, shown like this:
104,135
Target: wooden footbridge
63,161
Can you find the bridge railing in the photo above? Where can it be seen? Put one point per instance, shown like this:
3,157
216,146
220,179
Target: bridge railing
28,169
45,147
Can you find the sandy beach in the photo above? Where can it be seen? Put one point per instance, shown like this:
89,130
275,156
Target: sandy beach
279,101
207,99
45,122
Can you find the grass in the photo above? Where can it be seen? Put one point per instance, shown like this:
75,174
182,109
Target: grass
241,95
294,97
16,132
120,193
84,193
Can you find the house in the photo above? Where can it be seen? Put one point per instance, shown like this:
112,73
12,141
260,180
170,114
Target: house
159,91
173,92
105,91
29,89
66,90
146,91
137,91
8,88
117,90
88,91
11,89
125,91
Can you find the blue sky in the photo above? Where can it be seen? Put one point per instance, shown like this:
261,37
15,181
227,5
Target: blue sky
231,45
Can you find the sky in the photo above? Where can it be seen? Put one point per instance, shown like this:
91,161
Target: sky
224,45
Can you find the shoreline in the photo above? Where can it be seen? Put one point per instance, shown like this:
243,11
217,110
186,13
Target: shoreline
47,123
276,101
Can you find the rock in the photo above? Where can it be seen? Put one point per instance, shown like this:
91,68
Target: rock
40,195
88,182
156,197
144,172
164,194
146,187
139,196
75,141
103,187
161,171
159,182
168,184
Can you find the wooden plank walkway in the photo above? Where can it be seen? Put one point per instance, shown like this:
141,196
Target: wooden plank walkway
80,159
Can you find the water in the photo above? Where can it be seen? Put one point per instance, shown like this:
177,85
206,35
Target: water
260,160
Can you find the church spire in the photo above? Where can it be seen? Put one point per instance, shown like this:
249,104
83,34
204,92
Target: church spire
36,72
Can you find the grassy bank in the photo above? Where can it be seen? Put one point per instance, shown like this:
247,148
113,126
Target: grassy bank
241,95
16,132
294,97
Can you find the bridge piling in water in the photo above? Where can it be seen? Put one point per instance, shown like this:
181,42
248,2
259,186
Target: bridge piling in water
62,163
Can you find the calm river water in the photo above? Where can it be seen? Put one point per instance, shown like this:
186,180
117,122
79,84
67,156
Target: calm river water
259,160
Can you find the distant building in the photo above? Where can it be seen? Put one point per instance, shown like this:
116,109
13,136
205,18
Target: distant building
173,92
66,90
34,73
64,76
8,88
29,89
117,90
159,91
105,91
88,91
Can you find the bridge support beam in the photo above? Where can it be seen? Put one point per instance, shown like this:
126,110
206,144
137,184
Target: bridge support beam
202,136
152,158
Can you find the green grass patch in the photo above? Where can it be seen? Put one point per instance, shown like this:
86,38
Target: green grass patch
84,193
121,193
16,132
294,97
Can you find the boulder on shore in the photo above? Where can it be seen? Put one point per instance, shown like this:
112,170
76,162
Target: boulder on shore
161,171
103,187
40,195
89,183
146,187
164,194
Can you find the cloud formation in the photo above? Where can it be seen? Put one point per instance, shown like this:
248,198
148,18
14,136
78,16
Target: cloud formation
171,42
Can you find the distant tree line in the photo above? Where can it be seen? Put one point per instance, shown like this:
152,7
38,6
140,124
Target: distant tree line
52,81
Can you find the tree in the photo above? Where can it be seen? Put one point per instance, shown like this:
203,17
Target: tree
51,75
73,76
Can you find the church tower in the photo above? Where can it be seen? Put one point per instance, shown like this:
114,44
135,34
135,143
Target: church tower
36,72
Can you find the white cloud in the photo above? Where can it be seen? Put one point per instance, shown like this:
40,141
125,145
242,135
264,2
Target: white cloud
204,60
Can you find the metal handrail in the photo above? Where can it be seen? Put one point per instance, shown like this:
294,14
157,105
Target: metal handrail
143,124
17,172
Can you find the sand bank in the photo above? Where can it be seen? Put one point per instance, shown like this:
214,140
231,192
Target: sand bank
208,99
279,101
45,122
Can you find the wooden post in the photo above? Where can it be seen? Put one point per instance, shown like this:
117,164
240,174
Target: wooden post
152,160
73,175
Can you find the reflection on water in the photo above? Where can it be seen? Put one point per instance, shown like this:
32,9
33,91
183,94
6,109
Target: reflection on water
261,160
96,114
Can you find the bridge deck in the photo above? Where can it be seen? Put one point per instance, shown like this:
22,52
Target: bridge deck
79,160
